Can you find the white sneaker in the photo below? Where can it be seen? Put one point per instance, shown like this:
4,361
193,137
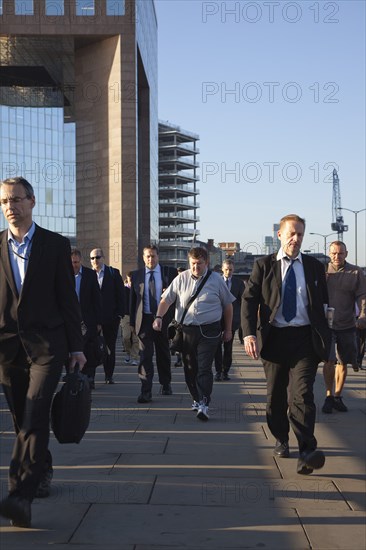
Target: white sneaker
127,359
202,412
134,363
195,406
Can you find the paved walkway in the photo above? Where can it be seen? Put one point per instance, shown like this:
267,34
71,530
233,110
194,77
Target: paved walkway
154,477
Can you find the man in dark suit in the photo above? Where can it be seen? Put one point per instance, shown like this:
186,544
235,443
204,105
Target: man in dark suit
224,357
288,291
113,307
40,326
90,300
147,287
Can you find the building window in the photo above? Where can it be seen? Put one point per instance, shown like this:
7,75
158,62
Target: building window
55,7
24,7
116,7
85,7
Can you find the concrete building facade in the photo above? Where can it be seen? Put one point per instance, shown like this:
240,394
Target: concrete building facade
84,74
178,193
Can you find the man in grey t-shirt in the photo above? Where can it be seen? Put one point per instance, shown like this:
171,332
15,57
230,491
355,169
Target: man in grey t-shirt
201,325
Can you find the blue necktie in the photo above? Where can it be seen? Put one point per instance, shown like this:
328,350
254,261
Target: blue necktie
152,294
289,296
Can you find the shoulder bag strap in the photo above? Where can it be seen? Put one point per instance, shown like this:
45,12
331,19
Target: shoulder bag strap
192,298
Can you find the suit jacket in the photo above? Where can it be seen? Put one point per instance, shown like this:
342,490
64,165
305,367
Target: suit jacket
112,290
237,289
90,300
137,296
45,319
262,297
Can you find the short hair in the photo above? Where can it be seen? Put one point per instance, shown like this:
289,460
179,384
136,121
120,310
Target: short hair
338,243
151,246
292,218
29,191
198,252
228,262
180,269
76,252
101,250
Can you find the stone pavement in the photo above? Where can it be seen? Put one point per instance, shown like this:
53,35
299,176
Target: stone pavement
155,477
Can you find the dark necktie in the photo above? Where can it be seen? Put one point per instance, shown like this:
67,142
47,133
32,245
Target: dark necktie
228,283
152,294
289,296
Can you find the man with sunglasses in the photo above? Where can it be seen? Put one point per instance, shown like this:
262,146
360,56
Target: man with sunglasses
40,330
113,307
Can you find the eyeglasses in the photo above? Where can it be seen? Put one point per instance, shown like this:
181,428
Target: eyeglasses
13,199
95,257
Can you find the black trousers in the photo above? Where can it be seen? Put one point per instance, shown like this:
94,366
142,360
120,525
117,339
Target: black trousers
29,389
91,354
110,333
150,340
290,366
224,356
199,347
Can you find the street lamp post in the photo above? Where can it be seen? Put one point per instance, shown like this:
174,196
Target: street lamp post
356,212
325,241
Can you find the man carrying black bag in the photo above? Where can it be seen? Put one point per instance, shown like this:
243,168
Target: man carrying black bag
40,329
202,299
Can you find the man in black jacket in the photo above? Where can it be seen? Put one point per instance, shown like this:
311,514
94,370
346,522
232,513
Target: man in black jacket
113,307
40,331
224,357
90,300
285,298
147,287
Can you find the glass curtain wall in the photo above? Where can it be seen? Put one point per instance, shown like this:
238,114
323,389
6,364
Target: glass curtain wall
36,144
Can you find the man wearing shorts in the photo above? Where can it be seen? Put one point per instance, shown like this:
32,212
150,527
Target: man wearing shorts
346,287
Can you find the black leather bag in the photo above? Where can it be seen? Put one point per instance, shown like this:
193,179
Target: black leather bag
175,335
70,411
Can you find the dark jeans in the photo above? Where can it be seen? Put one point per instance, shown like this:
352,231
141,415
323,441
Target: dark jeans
29,389
224,357
199,347
150,339
110,333
288,356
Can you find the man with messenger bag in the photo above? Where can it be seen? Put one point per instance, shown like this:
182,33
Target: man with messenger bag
201,300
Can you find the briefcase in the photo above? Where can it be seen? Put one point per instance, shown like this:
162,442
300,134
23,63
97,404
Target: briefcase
70,411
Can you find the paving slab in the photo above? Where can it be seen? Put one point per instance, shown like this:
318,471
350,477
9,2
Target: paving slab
192,526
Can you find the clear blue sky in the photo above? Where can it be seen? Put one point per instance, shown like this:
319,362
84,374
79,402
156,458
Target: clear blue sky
296,73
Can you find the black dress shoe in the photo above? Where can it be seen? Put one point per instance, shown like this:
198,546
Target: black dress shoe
310,461
281,450
166,389
109,380
217,377
17,509
225,376
144,397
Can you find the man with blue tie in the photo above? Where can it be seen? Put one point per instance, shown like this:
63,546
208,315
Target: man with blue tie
147,286
288,292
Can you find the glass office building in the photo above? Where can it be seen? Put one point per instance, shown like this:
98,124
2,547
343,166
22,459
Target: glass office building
78,118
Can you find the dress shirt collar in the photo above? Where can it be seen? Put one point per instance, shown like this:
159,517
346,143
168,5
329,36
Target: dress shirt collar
155,270
281,256
27,237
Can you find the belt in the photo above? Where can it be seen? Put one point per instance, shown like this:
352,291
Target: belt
203,325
